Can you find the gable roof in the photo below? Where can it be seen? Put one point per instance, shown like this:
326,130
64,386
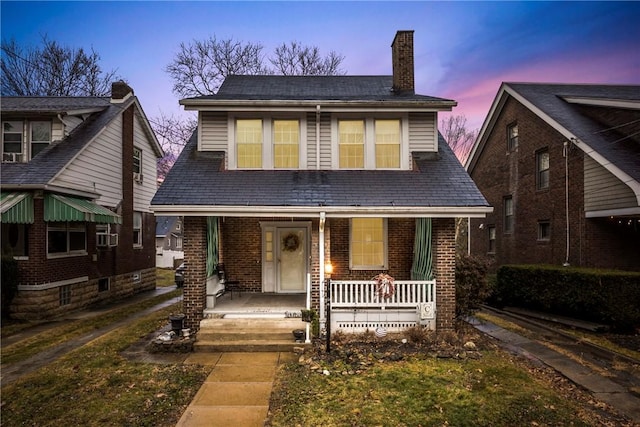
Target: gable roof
558,105
44,167
426,191
311,90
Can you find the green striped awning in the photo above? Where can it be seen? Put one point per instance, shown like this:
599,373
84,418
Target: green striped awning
59,208
16,207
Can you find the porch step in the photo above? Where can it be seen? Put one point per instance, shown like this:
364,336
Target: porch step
249,334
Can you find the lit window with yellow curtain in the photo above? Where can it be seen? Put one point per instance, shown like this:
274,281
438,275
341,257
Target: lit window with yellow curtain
286,143
249,143
351,143
368,243
387,143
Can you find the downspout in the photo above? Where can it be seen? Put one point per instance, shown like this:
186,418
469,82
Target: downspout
318,144
321,268
565,153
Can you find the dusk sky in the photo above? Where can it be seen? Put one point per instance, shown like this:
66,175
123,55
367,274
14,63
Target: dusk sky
463,50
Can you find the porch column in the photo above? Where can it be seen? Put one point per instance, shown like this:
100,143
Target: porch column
444,240
195,275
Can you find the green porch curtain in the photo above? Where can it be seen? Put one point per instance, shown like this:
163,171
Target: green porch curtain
422,268
212,244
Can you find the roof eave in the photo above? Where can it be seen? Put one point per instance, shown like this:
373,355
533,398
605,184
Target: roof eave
311,104
329,211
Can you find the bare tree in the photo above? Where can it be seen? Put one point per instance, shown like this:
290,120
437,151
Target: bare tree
460,139
294,59
200,67
52,70
173,134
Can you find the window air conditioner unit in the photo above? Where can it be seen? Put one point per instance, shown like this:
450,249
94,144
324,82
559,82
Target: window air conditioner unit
137,177
12,157
106,240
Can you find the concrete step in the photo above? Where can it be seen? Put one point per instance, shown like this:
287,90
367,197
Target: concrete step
246,334
245,346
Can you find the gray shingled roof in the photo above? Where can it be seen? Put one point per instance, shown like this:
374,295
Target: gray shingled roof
198,178
313,88
624,153
43,167
51,104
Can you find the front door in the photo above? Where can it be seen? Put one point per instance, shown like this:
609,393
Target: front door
285,256
292,259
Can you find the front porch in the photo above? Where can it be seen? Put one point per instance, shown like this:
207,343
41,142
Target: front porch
256,305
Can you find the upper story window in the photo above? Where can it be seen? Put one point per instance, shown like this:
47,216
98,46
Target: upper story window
512,137
12,137
370,143
368,245
249,143
508,214
542,169
286,144
137,160
387,143
351,144
40,136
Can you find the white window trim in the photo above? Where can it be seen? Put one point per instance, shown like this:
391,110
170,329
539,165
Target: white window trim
385,266
267,139
370,139
140,244
31,141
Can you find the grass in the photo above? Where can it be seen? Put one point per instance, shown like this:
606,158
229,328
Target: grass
492,391
96,386
71,329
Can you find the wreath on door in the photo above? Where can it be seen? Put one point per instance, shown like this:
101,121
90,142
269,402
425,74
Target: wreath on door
290,242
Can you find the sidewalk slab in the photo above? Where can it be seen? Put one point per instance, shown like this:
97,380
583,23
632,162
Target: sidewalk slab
214,416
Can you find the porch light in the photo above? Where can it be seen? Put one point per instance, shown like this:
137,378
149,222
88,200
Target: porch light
328,268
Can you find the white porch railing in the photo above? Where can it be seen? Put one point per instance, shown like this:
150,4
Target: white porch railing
356,305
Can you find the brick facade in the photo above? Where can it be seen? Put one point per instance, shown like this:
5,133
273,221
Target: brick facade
128,269
499,173
241,252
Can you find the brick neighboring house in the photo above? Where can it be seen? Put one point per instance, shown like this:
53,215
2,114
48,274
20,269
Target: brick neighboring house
78,175
561,165
286,174
169,253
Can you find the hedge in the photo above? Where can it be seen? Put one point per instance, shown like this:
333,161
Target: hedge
603,296
8,283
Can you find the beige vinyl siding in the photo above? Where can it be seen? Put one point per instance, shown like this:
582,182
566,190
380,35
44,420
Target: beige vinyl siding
325,141
57,130
213,131
143,193
422,132
99,166
312,148
603,191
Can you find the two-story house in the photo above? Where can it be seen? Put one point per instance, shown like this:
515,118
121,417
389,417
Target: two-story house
287,176
78,175
561,165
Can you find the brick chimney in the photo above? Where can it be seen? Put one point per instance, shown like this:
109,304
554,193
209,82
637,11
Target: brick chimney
402,57
120,91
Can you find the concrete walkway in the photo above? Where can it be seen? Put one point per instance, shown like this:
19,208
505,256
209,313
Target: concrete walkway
602,388
237,391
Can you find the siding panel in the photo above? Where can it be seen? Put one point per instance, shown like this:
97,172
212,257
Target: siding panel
214,131
143,192
422,131
603,191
